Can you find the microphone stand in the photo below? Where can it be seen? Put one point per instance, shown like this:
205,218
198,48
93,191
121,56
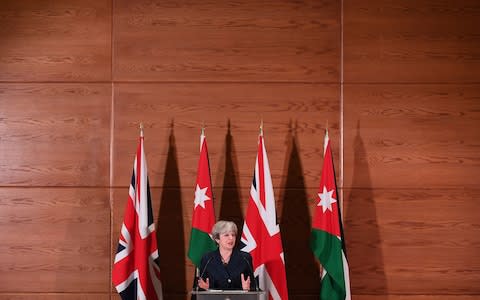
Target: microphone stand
203,271
251,272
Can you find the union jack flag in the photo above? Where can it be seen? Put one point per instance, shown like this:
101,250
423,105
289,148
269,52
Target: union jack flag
136,272
261,233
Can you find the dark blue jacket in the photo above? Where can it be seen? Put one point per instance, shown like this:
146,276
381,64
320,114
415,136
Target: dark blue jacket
227,277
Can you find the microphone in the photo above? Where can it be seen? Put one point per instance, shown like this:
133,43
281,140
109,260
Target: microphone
251,271
203,271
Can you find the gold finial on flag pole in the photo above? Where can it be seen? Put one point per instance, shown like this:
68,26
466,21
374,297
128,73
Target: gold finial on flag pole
261,126
202,135
141,129
325,141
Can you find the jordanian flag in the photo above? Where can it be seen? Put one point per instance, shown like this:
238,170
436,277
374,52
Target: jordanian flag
327,241
203,217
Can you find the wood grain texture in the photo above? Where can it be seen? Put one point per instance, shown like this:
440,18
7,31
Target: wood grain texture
416,297
410,141
53,296
227,41
54,240
54,134
395,297
55,40
415,137
416,241
302,110
405,41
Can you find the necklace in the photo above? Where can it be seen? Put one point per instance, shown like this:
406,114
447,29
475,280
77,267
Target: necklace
225,260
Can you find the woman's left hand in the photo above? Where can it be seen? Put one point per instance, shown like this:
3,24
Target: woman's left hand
245,282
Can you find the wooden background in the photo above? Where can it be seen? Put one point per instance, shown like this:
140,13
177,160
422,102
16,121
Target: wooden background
397,82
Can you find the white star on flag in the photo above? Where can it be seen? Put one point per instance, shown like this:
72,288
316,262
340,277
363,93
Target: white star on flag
201,196
327,199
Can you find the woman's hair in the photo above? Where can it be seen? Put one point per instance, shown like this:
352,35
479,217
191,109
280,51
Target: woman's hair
223,227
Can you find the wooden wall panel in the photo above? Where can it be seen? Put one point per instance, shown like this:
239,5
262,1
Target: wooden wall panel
397,297
54,134
227,41
413,241
55,40
305,107
410,148
54,240
411,41
412,137
410,115
415,297
52,296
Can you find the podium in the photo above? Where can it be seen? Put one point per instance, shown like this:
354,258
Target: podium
229,295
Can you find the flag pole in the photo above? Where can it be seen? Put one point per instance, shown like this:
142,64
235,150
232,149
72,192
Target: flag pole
141,129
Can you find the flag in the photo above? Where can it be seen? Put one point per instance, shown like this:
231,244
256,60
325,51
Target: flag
203,217
261,233
136,272
327,240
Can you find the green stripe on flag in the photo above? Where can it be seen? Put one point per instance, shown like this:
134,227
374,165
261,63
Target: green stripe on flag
200,243
328,249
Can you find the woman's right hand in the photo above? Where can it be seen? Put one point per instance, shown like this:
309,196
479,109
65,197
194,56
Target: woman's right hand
203,284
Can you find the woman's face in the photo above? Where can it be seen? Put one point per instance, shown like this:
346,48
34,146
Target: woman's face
227,240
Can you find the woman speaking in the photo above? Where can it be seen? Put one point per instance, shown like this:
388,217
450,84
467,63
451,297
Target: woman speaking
226,268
